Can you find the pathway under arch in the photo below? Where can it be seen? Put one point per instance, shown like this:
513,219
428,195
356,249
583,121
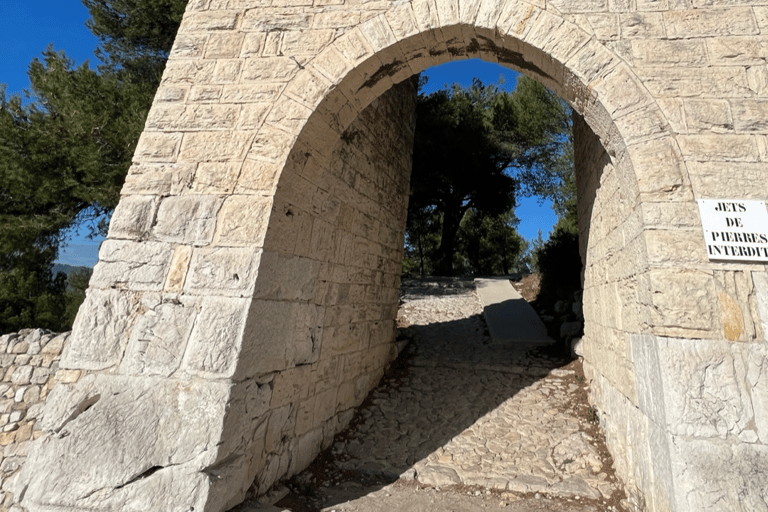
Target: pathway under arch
244,300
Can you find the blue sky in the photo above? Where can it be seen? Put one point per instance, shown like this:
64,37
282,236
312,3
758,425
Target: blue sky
27,27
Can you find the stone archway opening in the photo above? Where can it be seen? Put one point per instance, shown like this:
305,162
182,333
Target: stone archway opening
351,165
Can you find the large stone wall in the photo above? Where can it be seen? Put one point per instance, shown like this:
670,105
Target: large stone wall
321,321
232,255
30,368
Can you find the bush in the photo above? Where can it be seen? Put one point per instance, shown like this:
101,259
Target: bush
559,264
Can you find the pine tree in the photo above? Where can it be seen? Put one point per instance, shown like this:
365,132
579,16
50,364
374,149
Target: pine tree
476,148
64,153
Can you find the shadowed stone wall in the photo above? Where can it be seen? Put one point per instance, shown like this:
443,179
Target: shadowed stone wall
231,269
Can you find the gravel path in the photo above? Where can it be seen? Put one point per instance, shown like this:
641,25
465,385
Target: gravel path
462,424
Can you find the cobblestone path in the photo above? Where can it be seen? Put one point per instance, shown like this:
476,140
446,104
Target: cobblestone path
461,414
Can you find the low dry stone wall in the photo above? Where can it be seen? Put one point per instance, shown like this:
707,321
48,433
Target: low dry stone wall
29,360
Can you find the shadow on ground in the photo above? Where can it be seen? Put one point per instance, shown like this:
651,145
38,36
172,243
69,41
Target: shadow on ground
449,376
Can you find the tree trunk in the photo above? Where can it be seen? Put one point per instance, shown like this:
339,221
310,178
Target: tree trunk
451,219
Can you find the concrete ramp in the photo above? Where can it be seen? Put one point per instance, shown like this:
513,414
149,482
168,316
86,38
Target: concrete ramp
511,320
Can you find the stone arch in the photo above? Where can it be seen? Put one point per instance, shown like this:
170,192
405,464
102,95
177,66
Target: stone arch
600,86
212,303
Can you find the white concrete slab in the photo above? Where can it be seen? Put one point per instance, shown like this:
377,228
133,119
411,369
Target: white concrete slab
510,318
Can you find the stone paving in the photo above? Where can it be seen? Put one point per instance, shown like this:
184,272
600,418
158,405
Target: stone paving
458,409
469,412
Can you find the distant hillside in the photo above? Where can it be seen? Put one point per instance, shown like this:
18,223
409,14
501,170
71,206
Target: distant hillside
68,269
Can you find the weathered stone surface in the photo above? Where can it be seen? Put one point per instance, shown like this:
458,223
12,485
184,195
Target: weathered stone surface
223,271
121,426
215,341
187,219
761,293
131,265
133,217
728,471
100,331
243,220
159,338
704,388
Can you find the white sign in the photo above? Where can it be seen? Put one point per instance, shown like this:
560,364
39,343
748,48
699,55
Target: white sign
735,229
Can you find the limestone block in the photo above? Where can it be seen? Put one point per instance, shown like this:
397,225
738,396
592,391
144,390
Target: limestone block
215,342
159,338
656,52
227,71
658,165
133,217
223,45
673,215
216,177
287,225
748,51
253,115
680,81
694,310
757,380
727,473
171,94
178,271
289,114
331,64
335,19
170,117
223,271
710,179
132,265
192,72
263,20
353,46
645,123
676,247
402,21
307,88
214,146
271,144
291,386
125,443
306,41
100,331
592,61
188,46
274,69
157,147
710,22
243,221
209,20
157,179
293,336
702,115
284,277
705,388
252,93
703,148
749,115
257,176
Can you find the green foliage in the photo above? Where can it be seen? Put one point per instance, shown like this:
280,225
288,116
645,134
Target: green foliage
136,35
65,151
474,149
559,263
30,295
490,245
